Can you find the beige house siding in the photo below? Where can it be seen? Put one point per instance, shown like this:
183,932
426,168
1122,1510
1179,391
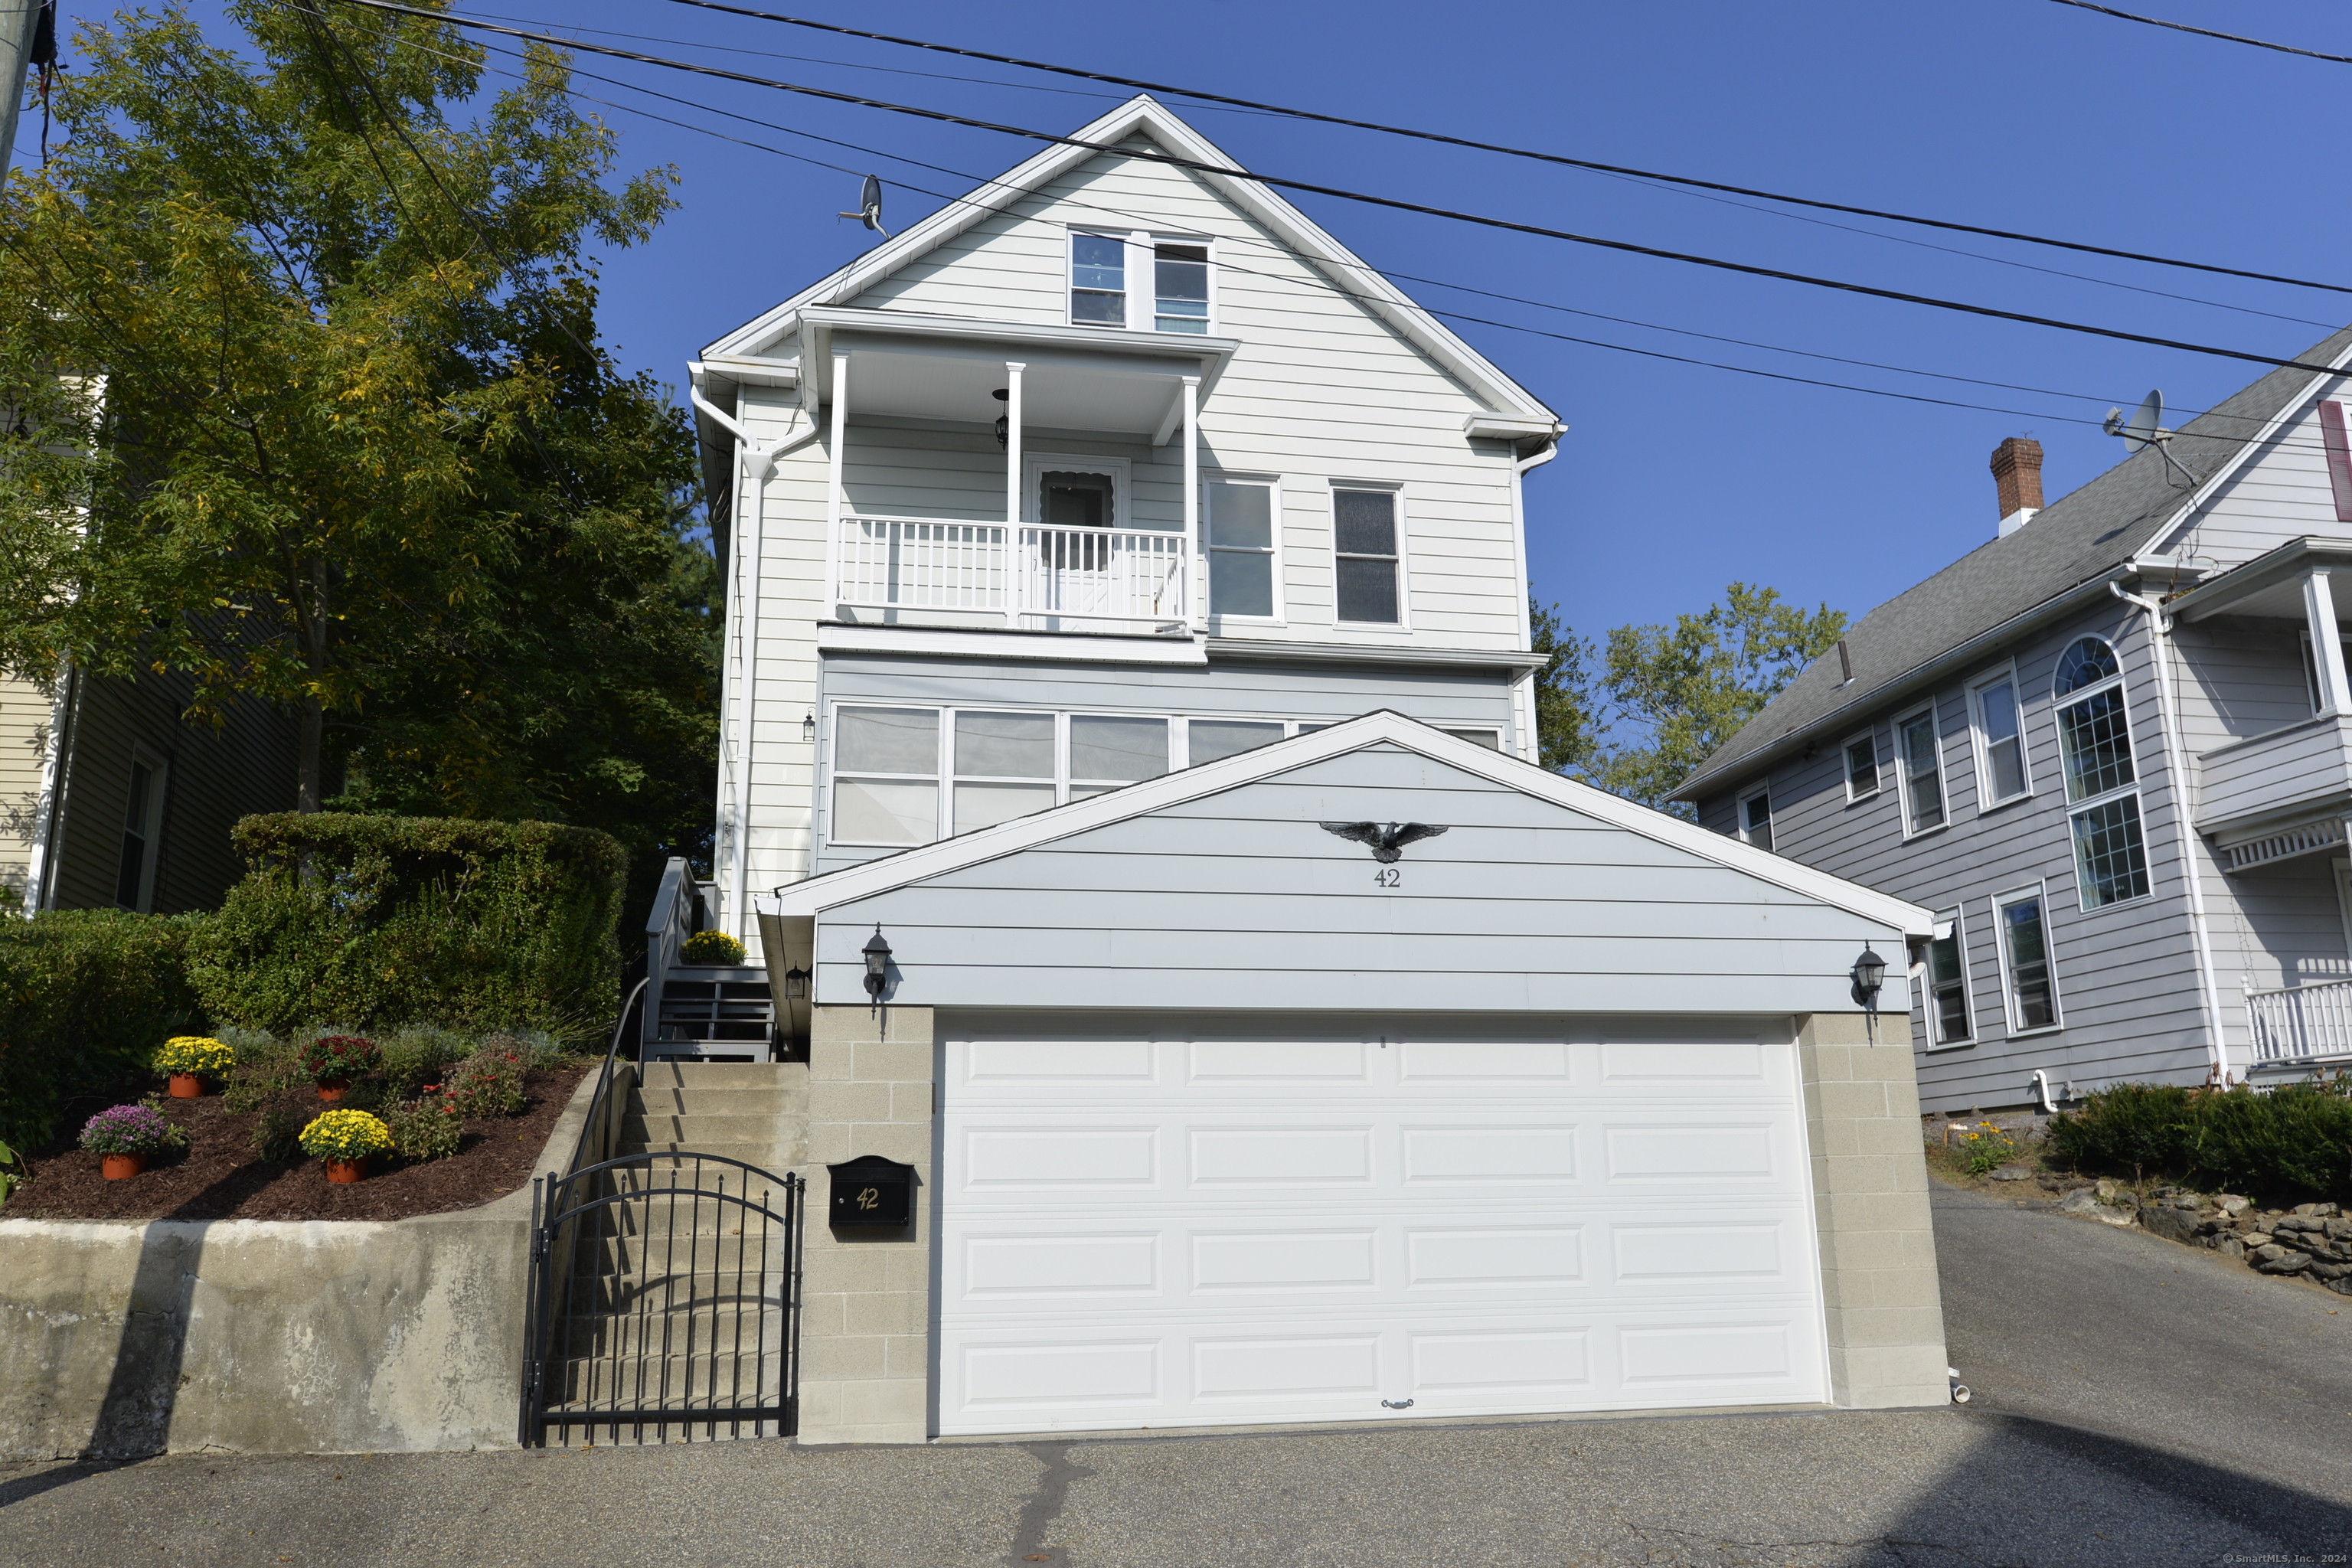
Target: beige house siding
25,709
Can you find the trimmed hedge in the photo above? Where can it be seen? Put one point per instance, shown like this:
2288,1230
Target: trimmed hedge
86,996
2295,1137
376,921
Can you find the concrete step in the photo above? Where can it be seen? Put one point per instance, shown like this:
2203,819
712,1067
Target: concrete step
752,1326
697,1131
664,1099
698,1252
722,1075
670,1157
584,1294
655,1381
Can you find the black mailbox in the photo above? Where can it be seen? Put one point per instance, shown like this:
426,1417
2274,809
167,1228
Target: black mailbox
872,1191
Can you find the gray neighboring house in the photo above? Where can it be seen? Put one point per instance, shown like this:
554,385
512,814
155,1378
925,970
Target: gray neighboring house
2102,749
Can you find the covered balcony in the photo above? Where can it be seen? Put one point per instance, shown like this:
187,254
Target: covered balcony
990,474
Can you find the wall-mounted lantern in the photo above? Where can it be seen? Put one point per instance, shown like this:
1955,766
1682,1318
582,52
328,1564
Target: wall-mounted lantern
808,729
1869,974
872,1193
796,981
877,963
1003,421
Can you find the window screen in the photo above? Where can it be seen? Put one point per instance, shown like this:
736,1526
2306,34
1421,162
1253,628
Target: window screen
1922,772
1213,738
1180,287
1111,750
2004,746
874,744
1364,530
1003,767
1241,548
2032,992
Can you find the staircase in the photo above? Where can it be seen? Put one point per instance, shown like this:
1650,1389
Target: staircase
669,1313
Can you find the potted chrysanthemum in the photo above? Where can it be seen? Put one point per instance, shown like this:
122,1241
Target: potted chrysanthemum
344,1140
123,1136
189,1059
331,1061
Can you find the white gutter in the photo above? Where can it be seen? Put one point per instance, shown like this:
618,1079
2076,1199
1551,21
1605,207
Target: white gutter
2176,766
757,460
1523,689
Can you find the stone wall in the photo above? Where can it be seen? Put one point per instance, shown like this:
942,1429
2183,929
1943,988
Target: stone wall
121,1338
1870,1201
2313,1240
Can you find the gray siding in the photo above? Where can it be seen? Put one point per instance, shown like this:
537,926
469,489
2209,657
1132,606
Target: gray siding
1240,901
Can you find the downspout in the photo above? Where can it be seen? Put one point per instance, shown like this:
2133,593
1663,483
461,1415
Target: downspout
757,460
1523,689
56,772
2159,626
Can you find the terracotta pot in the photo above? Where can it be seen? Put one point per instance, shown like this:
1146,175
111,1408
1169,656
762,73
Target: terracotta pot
347,1170
120,1167
187,1086
332,1090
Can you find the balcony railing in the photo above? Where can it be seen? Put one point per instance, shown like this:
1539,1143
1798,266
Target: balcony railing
1074,573
2301,1021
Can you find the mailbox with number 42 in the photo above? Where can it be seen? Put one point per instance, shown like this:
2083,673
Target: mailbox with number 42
873,1191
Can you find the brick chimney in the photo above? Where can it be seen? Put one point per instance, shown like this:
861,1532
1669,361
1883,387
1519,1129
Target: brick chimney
2017,473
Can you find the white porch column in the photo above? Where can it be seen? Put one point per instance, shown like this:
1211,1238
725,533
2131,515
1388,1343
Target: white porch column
1196,568
1016,565
2326,644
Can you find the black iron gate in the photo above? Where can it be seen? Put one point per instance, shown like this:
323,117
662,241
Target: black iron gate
664,1302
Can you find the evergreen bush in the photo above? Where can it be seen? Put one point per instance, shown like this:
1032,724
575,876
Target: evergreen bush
384,920
84,996
2296,1138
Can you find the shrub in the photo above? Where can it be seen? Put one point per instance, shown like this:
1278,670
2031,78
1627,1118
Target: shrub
199,1054
127,1130
419,1055
345,1135
266,1066
489,1082
390,920
278,1134
84,994
712,947
426,1129
2296,1137
339,1058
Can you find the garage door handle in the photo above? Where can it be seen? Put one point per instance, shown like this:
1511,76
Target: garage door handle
1396,1403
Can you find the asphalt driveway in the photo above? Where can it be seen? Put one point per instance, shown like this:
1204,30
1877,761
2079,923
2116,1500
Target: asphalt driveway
2136,1403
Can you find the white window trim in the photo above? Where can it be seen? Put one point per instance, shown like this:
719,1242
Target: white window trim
1903,769
1070,274
1280,567
832,772
159,779
1867,738
1142,244
1035,466
2131,791
1927,1010
1761,792
1402,624
1980,743
2000,902
2074,808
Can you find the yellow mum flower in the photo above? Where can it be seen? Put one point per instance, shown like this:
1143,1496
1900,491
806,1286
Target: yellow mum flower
345,1135
199,1054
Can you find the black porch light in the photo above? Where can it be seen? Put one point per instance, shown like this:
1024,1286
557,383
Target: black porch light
796,981
1869,973
877,963
808,729
1003,421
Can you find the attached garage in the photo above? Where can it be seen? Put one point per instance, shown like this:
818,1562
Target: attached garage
1218,1119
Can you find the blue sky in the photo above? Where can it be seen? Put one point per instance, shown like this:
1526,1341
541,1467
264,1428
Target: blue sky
1673,480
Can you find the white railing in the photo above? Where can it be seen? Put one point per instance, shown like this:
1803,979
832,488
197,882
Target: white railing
1074,573
2301,1021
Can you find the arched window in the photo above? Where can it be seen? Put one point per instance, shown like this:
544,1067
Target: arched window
2094,743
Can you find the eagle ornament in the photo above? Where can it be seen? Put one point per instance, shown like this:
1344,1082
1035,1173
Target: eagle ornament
1386,843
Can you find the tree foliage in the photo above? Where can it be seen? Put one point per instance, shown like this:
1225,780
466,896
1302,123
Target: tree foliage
1639,713
319,418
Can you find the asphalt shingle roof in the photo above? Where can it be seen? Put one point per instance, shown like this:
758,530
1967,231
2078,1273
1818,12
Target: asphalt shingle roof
2078,538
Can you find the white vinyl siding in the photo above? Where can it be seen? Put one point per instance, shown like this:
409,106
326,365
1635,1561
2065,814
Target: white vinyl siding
1920,768
2029,975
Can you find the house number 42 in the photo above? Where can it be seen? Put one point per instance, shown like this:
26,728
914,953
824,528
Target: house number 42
1389,876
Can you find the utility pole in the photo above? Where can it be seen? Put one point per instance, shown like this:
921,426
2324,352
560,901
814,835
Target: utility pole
28,37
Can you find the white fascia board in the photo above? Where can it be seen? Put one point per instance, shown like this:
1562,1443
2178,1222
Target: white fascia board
1263,650
1039,345
1064,648
1146,114
850,884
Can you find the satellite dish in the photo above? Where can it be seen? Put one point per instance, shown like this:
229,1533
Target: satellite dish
2145,428
869,206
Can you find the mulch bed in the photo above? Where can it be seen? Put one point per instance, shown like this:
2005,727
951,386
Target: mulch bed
220,1177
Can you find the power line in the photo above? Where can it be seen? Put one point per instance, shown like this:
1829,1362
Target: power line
2080,5
1541,157
1393,202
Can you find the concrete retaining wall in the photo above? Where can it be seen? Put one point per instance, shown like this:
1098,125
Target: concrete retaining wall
121,1338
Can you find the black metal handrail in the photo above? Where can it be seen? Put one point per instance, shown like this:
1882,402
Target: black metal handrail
595,1125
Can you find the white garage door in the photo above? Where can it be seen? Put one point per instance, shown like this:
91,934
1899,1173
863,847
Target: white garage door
1193,1232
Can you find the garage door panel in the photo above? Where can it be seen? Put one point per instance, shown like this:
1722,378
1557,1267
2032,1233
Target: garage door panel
1064,1264
1284,1260
1294,1367
1285,1061
1684,1063
1058,1156
1522,1257
1757,1251
1548,1062
1711,1152
1488,1365
1032,1064
1489,1154
1279,1156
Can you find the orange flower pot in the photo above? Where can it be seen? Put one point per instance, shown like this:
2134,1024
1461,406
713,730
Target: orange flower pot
120,1167
346,1170
187,1086
332,1091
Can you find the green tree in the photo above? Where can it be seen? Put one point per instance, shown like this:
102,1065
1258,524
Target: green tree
1676,693
1568,728
339,436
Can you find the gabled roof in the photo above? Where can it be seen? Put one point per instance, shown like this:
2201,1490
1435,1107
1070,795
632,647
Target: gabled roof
1385,727
1145,116
2073,545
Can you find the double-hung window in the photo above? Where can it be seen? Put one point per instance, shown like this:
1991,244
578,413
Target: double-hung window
1919,761
135,870
2095,748
1948,984
1241,514
1756,818
1364,535
1003,767
2001,770
1861,767
2031,986
1099,279
1180,286
886,775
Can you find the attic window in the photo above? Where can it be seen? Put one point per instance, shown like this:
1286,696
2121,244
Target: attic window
1099,279
1180,287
